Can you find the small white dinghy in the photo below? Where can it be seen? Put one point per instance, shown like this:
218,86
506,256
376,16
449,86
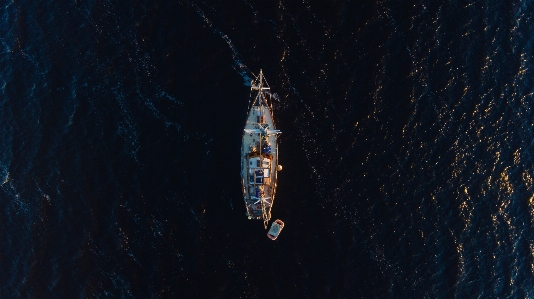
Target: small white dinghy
276,228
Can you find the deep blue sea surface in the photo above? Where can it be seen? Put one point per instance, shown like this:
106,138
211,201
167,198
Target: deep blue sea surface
407,140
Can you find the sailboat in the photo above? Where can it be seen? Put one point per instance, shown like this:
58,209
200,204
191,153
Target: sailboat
259,153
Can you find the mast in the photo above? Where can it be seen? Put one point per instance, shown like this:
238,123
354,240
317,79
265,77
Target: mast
261,77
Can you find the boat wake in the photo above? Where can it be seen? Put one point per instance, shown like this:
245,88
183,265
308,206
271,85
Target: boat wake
238,64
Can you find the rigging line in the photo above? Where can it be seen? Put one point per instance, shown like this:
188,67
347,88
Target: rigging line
253,75
267,83
246,68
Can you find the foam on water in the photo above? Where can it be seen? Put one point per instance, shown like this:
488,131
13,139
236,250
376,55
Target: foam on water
239,66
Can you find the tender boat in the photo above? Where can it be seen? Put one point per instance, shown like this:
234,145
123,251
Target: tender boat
276,228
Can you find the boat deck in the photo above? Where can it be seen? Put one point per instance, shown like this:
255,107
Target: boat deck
251,150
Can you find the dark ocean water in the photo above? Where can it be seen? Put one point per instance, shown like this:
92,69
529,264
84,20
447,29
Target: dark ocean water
407,139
